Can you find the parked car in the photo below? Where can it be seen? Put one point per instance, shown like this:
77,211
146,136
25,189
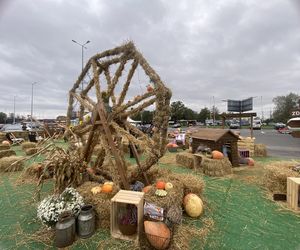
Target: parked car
279,125
284,130
256,125
234,125
176,125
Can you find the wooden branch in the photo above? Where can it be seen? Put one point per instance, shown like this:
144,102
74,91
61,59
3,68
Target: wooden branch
139,108
84,103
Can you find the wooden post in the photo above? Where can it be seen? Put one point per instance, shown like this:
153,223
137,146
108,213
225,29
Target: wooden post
120,166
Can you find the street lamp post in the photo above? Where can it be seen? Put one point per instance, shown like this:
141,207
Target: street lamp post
14,120
31,113
82,47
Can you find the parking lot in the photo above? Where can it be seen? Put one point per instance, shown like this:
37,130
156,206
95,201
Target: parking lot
279,145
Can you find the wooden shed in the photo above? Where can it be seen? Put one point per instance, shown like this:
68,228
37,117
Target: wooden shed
217,139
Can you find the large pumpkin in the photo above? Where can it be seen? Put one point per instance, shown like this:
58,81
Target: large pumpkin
158,234
217,155
193,205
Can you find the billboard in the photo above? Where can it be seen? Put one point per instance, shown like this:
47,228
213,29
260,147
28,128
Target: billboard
240,106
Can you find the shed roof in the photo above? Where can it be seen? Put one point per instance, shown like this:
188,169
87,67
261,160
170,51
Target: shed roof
211,134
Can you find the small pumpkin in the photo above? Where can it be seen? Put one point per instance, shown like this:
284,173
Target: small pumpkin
96,190
193,205
5,143
168,186
149,88
146,189
107,188
160,185
108,183
217,155
250,162
157,230
161,192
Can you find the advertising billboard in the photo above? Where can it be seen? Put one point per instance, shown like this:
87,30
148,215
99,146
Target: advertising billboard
240,106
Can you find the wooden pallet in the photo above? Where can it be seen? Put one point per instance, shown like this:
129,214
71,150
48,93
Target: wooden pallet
293,192
121,198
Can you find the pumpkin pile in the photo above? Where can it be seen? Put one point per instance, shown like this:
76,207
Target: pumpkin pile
107,187
172,147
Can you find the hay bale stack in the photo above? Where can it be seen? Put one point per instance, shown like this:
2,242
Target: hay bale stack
218,168
260,150
7,153
2,136
26,145
5,164
185,159
31,151
275,178
248,144
101,202
4,147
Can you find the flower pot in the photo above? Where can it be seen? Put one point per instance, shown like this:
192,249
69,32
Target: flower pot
128,229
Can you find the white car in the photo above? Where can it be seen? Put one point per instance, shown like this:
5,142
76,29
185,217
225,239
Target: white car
256,125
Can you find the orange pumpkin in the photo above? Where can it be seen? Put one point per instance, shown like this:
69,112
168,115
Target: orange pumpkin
217,155
160,185
149,88
251,162
146,189
157,230
107,188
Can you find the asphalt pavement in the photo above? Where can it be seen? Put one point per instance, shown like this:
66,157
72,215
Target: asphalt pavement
278,145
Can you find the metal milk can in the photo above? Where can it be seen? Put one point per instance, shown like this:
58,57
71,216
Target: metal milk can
86,222
65,230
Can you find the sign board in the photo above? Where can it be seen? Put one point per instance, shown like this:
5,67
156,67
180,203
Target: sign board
295,113
240,106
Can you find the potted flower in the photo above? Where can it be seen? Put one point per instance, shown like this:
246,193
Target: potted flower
127,219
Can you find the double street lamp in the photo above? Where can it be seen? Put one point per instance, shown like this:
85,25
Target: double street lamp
82,47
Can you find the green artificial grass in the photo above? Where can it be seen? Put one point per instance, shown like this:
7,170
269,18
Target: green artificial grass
243,217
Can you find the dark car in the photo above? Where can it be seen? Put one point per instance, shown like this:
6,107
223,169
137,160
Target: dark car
279,125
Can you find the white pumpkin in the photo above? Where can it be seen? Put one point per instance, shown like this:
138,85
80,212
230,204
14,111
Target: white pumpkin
168,186
96,190
193,205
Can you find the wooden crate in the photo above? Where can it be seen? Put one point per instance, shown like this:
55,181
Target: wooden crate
121,198
293,192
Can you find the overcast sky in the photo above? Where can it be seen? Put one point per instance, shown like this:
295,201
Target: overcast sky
202,50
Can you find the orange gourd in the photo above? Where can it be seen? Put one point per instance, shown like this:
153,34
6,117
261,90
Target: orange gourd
107,188
217,155
251,162
160,185
146,189
155,231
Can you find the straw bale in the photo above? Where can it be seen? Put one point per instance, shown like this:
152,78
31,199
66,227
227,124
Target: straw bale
7,153
212,167
260,150
4,147
31,151
26,145
5,164
275,178
101,202
185,159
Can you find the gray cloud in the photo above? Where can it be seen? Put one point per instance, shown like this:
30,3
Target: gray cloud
226,49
